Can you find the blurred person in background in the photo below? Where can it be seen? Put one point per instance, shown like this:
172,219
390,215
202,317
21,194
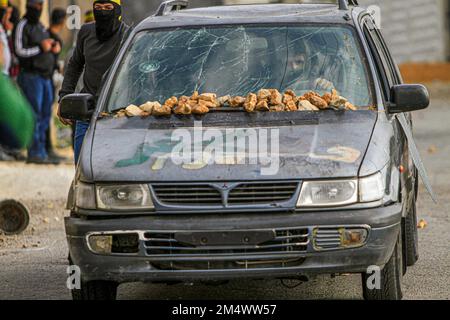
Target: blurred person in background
36,52
57,23
16,117
95,50
5,26
5,58
14,19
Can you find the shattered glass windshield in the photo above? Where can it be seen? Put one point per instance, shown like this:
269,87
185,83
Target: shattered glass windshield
237,60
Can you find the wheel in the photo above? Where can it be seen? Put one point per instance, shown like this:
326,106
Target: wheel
411,244
95,290
14,217
390,278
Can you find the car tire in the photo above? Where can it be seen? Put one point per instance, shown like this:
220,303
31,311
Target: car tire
390,278
411,245
95,290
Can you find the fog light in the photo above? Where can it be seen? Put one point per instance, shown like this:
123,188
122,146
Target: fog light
354,237
339,238
100,244
125,243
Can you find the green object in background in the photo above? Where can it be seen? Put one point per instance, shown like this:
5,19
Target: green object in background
16,116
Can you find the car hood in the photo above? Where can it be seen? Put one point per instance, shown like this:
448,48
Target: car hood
299,145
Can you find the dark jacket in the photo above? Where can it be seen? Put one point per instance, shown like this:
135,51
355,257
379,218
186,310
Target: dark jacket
27,47
57,38
92,56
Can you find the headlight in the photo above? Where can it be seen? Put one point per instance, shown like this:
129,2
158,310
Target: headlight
84,195
371,188
124,197
328,193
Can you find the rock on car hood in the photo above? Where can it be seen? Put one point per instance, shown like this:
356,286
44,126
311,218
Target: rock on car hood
300,145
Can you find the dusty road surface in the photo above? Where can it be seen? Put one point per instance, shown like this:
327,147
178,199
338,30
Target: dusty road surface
33,265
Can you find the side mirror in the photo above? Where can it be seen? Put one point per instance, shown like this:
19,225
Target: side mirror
77,106
408,97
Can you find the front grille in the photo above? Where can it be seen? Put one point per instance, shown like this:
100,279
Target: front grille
257,193
210,195
326,239
285,250
192,194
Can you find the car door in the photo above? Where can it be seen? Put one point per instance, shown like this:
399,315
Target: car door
389,75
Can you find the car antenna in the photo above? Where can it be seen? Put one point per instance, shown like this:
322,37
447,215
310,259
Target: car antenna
343,4
171,5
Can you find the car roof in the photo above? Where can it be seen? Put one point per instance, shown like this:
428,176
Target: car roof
249,14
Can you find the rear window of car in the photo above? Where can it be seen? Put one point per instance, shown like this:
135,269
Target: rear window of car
240,59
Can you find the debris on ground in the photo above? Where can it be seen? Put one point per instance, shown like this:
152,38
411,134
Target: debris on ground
422,224
14,217
265,100
432,149
36,237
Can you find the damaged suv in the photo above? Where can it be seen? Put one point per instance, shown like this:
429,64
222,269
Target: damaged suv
318,172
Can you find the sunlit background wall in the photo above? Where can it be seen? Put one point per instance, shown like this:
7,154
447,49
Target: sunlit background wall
417,31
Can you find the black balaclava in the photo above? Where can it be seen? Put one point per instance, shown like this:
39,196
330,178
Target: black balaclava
107,22
33,15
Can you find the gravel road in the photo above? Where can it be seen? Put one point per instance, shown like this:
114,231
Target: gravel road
33,265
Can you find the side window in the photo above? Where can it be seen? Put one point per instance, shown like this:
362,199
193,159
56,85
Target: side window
394,69
386,71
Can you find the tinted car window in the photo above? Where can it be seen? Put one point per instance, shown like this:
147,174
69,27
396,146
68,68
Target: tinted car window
236,60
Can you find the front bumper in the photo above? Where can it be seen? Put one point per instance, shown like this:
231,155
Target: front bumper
383,224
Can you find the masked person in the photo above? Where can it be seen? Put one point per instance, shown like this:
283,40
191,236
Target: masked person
96,47
35,50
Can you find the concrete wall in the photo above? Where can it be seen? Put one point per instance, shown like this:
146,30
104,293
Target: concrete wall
416,30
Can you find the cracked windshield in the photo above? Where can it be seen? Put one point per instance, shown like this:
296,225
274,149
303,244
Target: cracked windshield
287,68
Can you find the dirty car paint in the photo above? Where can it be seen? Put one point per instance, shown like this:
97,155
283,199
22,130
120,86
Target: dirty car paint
332,146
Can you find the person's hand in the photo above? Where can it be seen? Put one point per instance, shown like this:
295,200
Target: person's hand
56,48
65,122
323,84
47,44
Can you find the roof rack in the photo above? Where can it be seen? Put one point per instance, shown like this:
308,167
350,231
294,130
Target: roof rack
171,5
343,4
174,5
